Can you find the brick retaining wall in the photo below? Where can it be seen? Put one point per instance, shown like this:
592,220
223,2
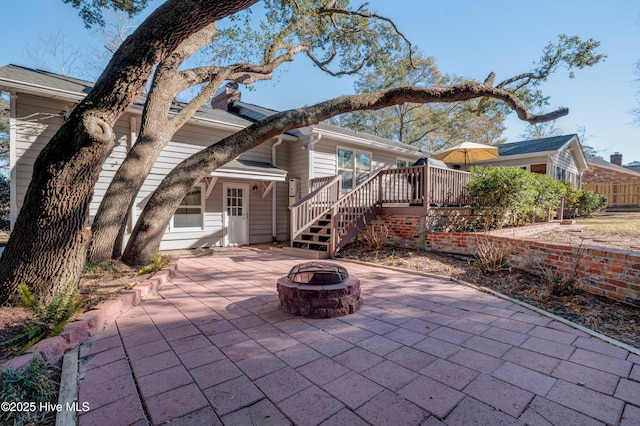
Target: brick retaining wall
612,273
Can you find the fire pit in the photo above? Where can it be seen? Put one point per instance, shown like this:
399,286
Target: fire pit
319,290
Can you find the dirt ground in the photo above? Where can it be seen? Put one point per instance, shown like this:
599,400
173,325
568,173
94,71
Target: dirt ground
98,284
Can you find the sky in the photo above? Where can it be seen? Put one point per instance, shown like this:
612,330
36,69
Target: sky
466,37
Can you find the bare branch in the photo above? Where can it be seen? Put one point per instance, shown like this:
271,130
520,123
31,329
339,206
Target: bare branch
323,65
364,14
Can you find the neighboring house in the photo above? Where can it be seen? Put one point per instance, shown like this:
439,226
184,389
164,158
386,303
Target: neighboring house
560,156
243,202
621,185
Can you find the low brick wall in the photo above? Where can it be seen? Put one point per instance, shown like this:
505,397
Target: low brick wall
612,273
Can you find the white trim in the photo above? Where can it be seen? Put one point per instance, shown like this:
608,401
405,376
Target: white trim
211,183
131,140
371,143
406,160
354,183
174,229
248,174
266,189
13,160
272,188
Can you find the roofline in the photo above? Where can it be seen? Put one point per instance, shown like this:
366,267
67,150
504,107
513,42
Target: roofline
615,168
519,156
37,89
396,146
363,141
31,88
574,138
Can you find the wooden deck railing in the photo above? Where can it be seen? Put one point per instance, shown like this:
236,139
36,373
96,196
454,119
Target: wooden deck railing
316,204
416,185
448,187
353,208
316,183
423,185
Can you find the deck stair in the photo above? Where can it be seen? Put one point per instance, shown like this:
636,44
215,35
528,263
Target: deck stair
325,220
317,236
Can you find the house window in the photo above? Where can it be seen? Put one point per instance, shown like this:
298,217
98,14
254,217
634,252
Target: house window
354,167
189,216
402,162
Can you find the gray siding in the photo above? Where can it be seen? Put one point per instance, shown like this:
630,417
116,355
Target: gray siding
38,120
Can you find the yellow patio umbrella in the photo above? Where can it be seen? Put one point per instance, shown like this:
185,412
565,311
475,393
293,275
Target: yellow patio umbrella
467,152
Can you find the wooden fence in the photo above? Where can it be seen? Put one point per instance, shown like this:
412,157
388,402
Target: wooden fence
619,194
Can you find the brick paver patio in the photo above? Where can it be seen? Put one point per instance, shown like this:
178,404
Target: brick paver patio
215,348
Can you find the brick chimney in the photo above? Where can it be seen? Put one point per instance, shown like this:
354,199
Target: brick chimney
616,158
225,98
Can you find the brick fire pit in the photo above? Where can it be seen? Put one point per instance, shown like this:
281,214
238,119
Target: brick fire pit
319,290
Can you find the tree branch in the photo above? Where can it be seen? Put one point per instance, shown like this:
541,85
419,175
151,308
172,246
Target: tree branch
364,14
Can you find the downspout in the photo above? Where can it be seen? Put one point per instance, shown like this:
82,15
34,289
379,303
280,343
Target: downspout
133,136
274,198
309,147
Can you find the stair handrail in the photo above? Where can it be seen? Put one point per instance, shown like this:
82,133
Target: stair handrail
306,211
354,200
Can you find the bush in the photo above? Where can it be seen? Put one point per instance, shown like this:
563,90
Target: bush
582,203
565,280
491,255
46,321
375,238
512,196
4,203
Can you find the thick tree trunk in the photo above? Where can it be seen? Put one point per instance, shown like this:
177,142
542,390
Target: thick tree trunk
156,129
110,220
150,227
48,244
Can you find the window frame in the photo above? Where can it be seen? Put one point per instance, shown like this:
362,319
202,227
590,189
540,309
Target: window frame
354,169
201,207
406,160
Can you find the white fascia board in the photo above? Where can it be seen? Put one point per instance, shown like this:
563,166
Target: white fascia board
369,143
35,89
249,174
519,156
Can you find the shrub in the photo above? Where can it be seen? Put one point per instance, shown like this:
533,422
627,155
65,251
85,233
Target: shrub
491,255
512,196
4,203
375,237
46,321
583,203
566,280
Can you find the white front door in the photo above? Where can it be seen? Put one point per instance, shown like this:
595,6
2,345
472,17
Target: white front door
236,214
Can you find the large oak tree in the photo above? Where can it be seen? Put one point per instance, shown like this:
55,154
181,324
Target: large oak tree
244,52
48,245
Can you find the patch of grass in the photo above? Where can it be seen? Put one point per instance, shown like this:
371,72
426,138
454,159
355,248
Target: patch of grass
28,387
93,268
612,223
158,262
